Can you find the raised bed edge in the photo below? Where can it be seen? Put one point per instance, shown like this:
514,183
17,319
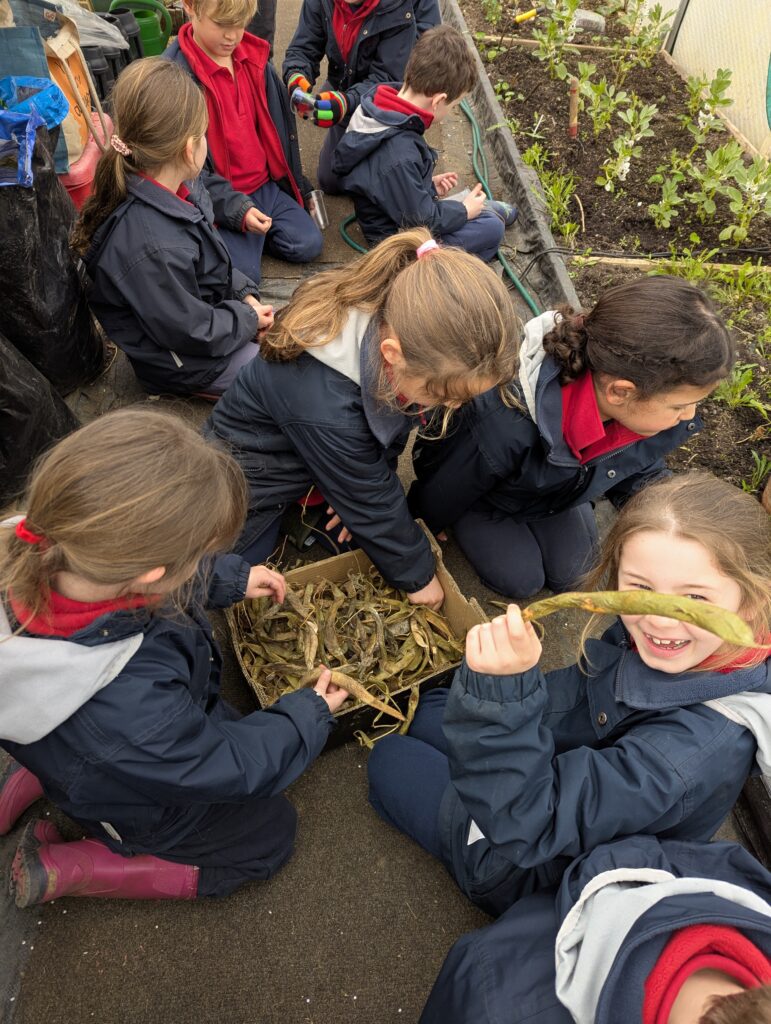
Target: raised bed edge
554,286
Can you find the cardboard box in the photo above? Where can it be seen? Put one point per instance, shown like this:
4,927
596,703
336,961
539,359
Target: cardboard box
460,612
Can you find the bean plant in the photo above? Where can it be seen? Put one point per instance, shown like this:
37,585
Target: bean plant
554,34
602,101
705,98
748,198
637,119
646,29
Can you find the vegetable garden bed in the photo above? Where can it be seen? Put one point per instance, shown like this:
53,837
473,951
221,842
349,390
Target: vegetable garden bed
656,169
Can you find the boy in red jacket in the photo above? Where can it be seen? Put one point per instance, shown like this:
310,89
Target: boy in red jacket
251,135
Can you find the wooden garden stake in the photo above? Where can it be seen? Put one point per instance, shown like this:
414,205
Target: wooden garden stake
573,117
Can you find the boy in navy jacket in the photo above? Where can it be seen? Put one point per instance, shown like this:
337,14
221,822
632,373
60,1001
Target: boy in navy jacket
386,163
251,135
642,930
365,43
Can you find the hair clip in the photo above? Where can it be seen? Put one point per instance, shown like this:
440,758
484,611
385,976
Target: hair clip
426,247
119,145
27,535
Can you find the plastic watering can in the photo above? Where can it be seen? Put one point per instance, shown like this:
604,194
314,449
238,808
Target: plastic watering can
154,23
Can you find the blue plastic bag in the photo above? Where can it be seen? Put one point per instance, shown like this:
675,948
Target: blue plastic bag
25,105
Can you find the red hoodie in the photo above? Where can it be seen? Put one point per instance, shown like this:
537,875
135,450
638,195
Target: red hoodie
253,54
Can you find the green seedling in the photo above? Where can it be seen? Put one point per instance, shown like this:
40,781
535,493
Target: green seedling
760,470
737,391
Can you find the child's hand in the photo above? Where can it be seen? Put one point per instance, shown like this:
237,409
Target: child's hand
298,81
504,647
335,696
444,183
264,314
264,582
474,202
257,221
432,595
330,108
345,534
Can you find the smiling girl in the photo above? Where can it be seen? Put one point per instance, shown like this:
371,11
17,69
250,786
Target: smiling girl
520,772
604,396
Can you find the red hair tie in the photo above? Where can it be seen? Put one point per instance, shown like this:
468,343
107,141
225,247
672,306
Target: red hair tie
27,535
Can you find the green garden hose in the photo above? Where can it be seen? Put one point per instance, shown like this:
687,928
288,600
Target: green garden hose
481,169
479,163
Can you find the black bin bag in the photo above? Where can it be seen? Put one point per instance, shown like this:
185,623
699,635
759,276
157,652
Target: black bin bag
32,418
43,308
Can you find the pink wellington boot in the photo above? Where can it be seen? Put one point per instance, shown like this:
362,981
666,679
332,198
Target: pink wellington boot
45,868
19,789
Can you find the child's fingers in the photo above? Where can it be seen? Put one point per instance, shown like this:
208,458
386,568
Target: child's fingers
487,641
502,639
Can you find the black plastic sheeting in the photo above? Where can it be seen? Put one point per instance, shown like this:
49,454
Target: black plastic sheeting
43,309
32,418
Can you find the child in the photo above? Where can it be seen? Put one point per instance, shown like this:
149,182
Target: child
385,161
642,931
603,397
520,773
364,43
111,675
328,403
162,284
252,135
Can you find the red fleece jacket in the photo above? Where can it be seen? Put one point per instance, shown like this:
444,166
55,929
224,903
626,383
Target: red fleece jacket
253,52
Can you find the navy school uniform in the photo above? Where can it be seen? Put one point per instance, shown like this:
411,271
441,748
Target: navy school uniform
580,952
163,287
384,161
129,736
531,771
379,54
505,472
316,420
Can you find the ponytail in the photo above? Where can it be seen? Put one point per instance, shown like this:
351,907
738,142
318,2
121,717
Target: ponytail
660,333
108,193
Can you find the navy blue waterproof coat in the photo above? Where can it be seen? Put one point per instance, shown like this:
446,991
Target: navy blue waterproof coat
379,53
547,769
505,973
303,422
283,118
154,749
163,286
517,461
384,161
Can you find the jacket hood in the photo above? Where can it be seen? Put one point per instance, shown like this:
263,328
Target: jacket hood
349,353
531,357
613,933
751,710
368,129
43,681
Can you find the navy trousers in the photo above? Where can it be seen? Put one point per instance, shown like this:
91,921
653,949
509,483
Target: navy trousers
519,559
408,781
293,235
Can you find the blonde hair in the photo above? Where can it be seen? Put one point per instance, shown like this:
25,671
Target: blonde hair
134,490
451,314
753,1006
156,107
731,525
226,12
